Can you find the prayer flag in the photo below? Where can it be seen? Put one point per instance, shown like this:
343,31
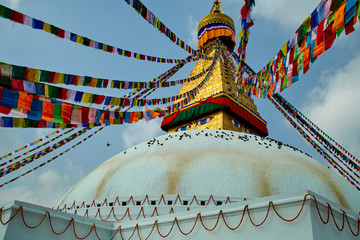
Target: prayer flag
339,17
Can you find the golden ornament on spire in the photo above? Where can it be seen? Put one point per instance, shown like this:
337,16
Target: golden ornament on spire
216,7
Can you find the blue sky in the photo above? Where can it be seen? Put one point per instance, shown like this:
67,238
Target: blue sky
328,94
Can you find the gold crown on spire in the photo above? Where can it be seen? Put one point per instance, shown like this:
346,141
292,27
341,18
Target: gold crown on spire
216,7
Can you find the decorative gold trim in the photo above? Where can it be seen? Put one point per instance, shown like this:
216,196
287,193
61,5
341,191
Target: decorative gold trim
216,18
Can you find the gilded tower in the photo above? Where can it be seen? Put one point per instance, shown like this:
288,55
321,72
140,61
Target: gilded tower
219,104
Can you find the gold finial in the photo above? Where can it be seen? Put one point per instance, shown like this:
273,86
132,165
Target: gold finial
216,7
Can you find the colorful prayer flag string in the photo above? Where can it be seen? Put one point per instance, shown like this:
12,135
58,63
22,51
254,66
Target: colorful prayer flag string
141,9
50,91
29,145
44,144
84,41
52,159
334,164
315,36
19,164
147,92
313,130
323,135
14,72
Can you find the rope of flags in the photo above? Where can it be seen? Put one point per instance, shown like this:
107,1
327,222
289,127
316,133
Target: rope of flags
351,165
246,23
315,36
19,164
325,138
146,92
38,147
143,93
29,145
53,158
59,93
142,10
61,112
351,179
11,73
34,23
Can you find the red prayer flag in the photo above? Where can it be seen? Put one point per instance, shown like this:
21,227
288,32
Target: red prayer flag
329,37
17,17
61,33
17,85
320,31
349,27
84,114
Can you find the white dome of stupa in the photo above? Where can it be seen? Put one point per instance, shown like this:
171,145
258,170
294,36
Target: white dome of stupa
211,162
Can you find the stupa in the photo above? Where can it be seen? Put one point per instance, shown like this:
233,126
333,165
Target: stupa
214,175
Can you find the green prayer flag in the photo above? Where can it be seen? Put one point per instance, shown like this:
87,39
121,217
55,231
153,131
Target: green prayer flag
54,30
330,18
44,76
86,41
57,114
53,91
5,12
86,81
300,62
18,72
285,83
99,83
301,33
340,31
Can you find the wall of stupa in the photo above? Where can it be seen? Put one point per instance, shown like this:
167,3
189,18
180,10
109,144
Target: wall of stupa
217,120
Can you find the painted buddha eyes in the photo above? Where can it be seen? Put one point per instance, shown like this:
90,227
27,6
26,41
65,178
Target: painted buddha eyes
236,124
183,128
203,121
198,123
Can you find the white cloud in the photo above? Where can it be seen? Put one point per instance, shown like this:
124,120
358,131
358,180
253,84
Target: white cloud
14,4
141,131
45,188
42,132
334,106
288,13
192,28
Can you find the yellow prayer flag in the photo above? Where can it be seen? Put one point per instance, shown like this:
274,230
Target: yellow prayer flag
46,87
241,33
79,39
306,22
59,78
18,122
86,97
284,49
33,75
47,28
116,101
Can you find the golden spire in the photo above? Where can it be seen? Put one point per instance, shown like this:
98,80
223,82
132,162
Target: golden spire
219,104
216,7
